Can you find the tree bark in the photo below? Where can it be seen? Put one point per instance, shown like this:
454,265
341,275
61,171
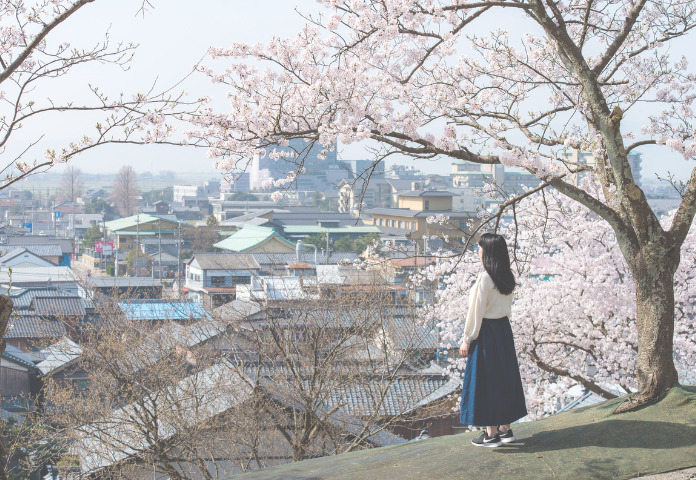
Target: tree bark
5,313
653,272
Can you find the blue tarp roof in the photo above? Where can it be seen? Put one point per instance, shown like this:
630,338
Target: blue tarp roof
162,309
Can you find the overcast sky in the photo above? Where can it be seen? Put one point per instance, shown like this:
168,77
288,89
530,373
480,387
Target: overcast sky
172,38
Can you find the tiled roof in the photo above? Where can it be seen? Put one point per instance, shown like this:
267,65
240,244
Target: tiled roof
48,250
65,244
405,393
225,261
156,241
30,326
59,355
162,309
22,298
59,305
153,249
124,282
410,332
282,259
25,358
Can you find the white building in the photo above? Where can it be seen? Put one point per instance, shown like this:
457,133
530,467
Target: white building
586,158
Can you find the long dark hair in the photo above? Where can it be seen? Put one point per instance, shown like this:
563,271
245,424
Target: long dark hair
496,261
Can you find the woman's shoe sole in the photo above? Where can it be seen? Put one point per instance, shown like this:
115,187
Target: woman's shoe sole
489,445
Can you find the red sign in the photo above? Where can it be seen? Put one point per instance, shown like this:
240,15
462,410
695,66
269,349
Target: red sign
105,248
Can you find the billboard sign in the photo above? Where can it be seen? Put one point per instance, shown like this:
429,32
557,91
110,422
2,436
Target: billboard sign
106,248
29,227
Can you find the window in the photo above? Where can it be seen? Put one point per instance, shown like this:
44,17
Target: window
401,224
427,205
241,279
80,384
217,281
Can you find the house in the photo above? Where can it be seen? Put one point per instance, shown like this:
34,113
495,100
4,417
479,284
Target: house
11,231
129,230
161,207
159,310
18,379
298,232
79,223
59,360
31,331
67,247
410,219
117,442
262,217
189,213
276,289
253,239
67,208
23,297
212,278
126,287
348,280
60,278
24,257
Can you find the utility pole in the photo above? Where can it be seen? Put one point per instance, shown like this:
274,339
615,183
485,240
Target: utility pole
178,262
159,234
103,239
327,247
137,244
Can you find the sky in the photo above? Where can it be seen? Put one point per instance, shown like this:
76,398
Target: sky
173,36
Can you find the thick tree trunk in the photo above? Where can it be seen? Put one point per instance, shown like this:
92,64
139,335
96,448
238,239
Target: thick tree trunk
655,371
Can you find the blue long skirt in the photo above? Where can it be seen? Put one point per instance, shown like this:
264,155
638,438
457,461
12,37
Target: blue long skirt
492,391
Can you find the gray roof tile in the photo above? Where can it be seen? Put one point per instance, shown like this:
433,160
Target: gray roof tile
66,245
59,305
30,326
225,261
50,250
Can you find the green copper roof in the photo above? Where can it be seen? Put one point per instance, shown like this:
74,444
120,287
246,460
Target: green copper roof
133,221
249,237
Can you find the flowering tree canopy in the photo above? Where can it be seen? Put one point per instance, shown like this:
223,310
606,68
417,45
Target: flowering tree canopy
574,314
431,78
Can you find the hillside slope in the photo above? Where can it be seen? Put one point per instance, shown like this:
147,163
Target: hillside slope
579,444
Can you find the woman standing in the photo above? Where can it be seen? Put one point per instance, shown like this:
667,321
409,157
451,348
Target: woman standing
492,394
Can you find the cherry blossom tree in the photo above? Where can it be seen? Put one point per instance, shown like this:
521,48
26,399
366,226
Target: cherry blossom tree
33,58
431,79
574,315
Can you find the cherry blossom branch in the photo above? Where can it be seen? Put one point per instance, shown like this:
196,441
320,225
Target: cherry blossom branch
627,28
40,36
684,216
592,387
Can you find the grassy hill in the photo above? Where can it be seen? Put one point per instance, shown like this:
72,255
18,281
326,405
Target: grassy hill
580,444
